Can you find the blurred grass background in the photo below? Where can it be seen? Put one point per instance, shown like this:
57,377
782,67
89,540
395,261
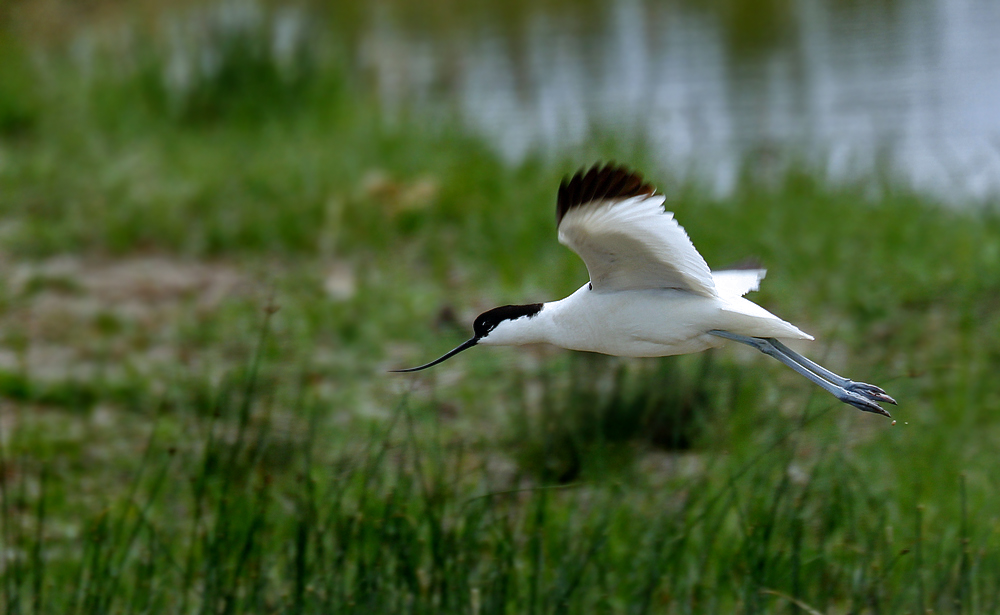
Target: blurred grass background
213,246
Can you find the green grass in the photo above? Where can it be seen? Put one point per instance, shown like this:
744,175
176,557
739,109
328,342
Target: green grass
171,443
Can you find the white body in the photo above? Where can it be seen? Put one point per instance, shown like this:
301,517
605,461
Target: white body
644,323
650,294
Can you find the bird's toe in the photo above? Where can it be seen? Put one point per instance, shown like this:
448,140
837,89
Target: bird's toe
872,392
863,403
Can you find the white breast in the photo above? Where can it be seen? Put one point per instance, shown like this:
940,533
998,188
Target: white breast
639,323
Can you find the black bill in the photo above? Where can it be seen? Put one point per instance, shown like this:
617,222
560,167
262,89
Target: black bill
464,346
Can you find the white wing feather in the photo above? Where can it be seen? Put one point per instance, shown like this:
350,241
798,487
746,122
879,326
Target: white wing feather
633,243
737,282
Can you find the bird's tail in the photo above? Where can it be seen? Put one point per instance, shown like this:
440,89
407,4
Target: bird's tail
747,318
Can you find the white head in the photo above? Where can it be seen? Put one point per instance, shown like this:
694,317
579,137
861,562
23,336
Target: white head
501,326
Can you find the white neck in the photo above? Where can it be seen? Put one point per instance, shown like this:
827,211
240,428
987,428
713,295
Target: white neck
544,327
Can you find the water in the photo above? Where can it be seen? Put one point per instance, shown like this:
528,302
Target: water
908,87
911,87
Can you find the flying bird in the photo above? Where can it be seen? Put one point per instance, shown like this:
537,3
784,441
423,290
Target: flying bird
650,293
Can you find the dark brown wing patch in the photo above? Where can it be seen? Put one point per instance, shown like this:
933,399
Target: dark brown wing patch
610,182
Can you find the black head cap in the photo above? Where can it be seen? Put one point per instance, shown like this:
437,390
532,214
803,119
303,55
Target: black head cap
485,322
488,320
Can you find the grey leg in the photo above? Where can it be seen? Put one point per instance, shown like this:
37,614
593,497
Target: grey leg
767,346
863,388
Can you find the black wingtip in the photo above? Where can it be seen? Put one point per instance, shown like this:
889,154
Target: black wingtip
611,181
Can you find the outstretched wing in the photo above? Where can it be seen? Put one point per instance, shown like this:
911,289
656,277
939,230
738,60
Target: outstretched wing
616,222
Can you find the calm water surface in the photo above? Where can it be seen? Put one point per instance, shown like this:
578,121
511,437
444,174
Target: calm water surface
912,87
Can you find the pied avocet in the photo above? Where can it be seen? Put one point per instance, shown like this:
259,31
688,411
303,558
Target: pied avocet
650,293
